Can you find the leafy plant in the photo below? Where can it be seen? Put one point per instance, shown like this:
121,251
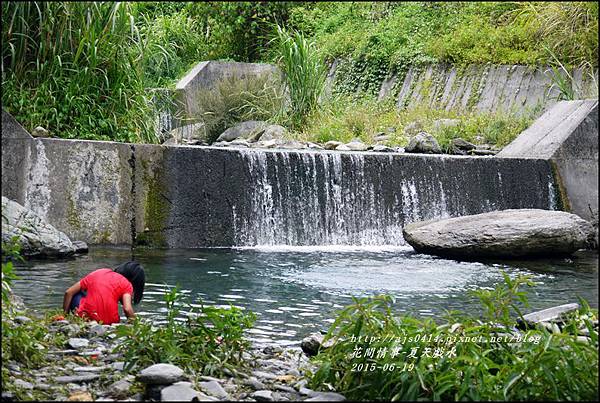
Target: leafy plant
378,356
304,73
206,343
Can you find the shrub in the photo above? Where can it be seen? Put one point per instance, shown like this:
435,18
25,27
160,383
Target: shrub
207,343
239,99
426,360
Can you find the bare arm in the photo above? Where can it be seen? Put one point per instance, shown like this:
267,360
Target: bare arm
127,307
74,289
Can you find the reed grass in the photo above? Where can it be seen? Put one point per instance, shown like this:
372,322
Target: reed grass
75,68
304,73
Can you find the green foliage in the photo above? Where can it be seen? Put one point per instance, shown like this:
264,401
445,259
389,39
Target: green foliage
343,118
206,343
237,100
304,74
73,67
432,362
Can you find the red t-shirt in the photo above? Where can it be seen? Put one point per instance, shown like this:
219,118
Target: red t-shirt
105,288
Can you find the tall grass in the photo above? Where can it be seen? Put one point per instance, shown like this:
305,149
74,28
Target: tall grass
74,68
304,72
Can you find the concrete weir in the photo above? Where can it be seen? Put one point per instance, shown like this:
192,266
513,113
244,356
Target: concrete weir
191,196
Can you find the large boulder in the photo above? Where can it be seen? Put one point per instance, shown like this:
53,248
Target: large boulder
423,143
34,235
250,130
501,234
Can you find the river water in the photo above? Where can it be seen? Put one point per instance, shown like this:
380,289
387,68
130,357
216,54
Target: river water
296,290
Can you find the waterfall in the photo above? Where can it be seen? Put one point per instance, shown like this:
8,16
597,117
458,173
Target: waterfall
334,198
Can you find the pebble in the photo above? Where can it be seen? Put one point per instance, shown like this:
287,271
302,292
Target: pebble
161,374
22,319
19,383
326,397
262,396
119,389
179,392
76,378
213,388
77,343
254,383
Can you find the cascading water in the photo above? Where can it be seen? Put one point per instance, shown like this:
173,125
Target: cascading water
333,198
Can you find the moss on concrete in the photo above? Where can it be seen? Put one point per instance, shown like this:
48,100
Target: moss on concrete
156,211
562,198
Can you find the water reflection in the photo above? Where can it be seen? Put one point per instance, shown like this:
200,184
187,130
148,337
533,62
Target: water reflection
295,291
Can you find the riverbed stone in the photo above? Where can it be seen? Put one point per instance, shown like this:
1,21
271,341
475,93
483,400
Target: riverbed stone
119,389
311,344
502,234
380,148
40,131
254,383
80,247
19,383
213,388
326,397
461,146
34,235
179,392
76,378
262,396
161,374
423,143
78,343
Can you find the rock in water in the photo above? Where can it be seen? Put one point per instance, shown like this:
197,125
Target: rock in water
501,234
35,236
423,143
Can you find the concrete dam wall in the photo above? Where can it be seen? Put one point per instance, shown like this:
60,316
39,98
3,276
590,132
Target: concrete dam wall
188,196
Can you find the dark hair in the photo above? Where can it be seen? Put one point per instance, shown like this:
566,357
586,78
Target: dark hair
134,272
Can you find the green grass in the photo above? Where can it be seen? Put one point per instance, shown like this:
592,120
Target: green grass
344,118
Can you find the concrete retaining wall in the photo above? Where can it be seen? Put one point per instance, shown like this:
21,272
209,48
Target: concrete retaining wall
566,135
187,196
485,88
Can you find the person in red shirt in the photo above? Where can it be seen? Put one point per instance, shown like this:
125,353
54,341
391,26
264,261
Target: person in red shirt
97,295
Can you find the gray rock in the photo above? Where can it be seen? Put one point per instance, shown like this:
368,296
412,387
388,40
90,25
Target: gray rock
76,378
119,389
306,391
254,383
78,343
118,365
35,236
239,143
413,128
21,384
179,392
80,247
311,344
22,319
356,146
423,143
314,146
40,132
271,350
70,329
191,132
292,145
503,234
550,314
249,130
153,392
380,148
213,388
262,396
343,147
332,145
98,330
460,146
273,132
326,397
161,374
480,151
264,375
